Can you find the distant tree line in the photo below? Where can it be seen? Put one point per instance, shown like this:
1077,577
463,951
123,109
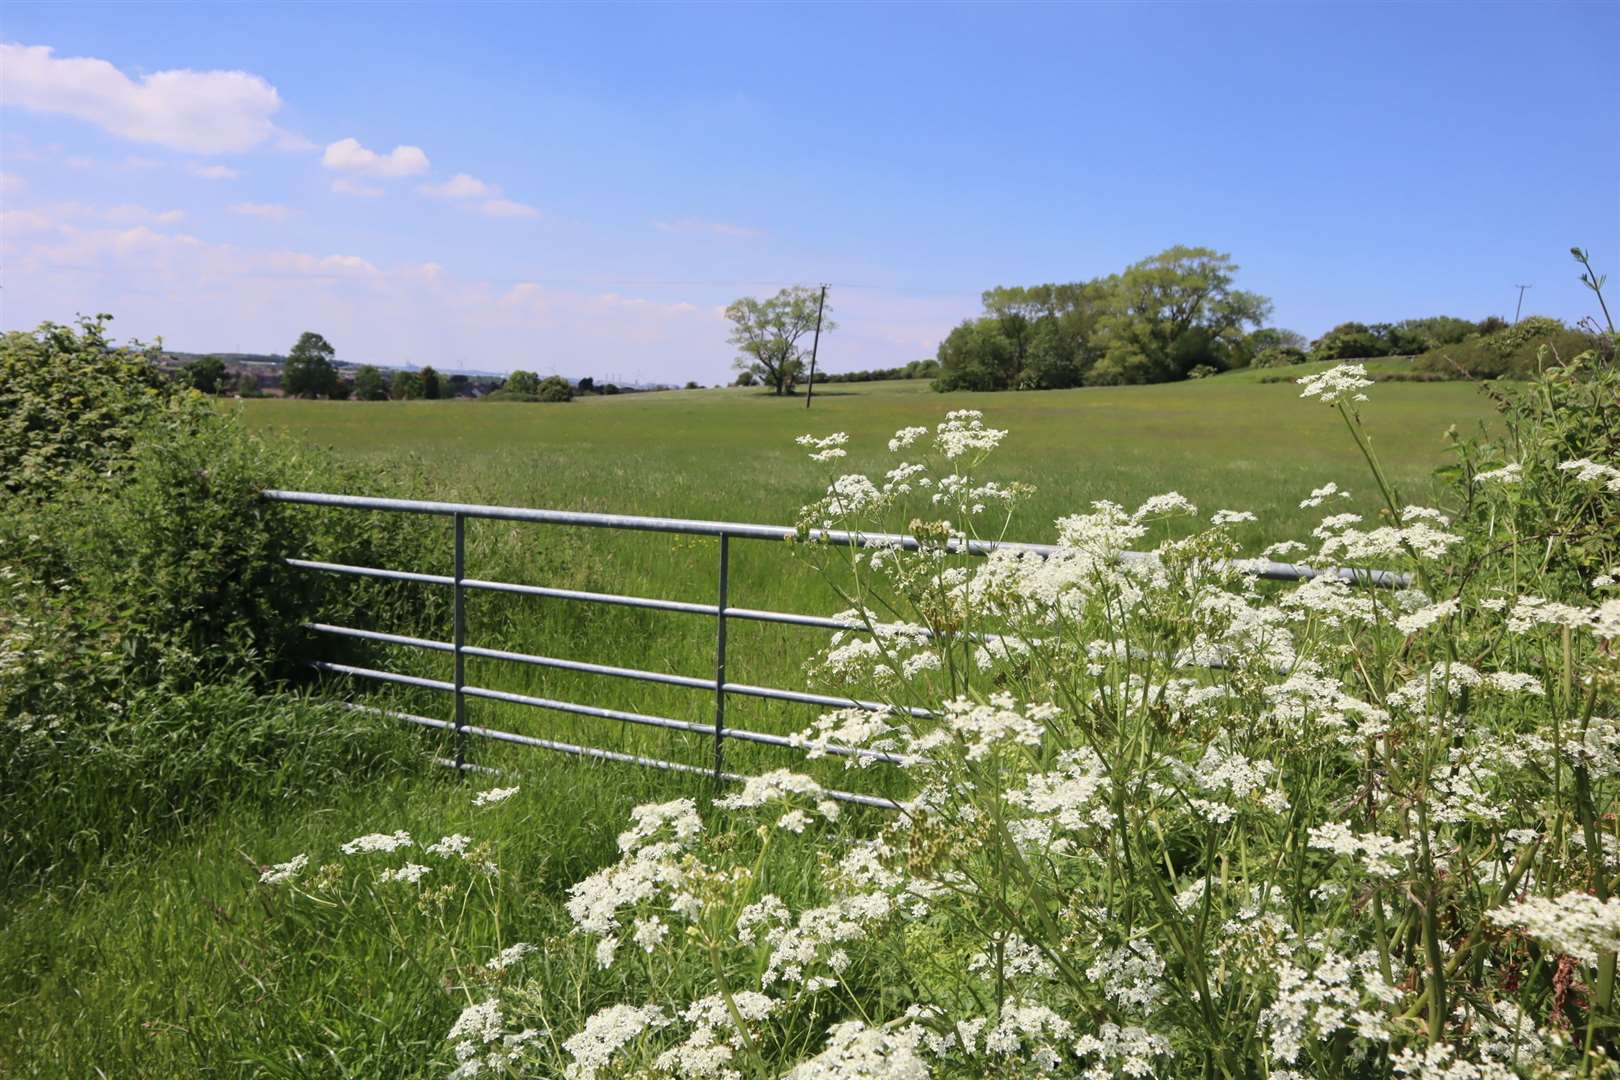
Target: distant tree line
1177,315
917,369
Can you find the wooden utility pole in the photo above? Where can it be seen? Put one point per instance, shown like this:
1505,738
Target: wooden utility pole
815,343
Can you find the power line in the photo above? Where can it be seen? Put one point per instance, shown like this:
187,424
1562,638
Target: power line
1520,306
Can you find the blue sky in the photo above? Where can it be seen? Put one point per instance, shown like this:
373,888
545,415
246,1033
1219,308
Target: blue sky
583,188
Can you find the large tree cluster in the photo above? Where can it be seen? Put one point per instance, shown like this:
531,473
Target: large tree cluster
1158,320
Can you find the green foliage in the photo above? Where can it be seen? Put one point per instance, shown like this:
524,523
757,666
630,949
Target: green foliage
1349,341
309,370
147,561
770,335
1517,351
521,382
369,384
70,402
1278,356
407,386
206,374
918,369
432,385
554,388
159,758
1154,322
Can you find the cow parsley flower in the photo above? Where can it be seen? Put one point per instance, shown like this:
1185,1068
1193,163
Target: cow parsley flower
830,448
449,846
1575,923
605,1034
963,432
1425,617
509,956
1343,382
377,842
1320,495
1231,517
855,1051
906,436
1510,473
494,795
410,873
284,872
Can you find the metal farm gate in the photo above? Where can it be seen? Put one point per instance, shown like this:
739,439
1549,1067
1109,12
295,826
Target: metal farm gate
720,611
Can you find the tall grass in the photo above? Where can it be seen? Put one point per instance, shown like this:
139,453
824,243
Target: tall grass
166,958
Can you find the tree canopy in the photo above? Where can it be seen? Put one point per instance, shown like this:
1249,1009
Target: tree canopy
1157,320
309,371
770,334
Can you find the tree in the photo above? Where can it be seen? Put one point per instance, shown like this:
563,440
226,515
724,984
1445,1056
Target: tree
431,386
309,371
554,388
521,382
1175,310
587,385
977,356
770,334
369,384
407,386
205,374
1349,341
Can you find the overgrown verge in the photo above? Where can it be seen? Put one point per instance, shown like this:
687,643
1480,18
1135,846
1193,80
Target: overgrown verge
1167,818
149,627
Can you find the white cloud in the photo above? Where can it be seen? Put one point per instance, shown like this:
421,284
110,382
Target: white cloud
130,214
200,112
15,222
214,172
506,208
459,186
11,183
345,186
267,211
347,155
717,228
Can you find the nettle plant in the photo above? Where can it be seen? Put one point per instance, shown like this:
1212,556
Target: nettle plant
1164,817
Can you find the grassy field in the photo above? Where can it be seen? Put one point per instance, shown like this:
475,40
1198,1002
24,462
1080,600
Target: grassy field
170,961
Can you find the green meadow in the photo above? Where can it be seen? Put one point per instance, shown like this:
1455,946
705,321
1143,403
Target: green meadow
168,959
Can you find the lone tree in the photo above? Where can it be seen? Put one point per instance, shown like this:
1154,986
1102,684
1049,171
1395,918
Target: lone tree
205,374
309,371
369,384
769,334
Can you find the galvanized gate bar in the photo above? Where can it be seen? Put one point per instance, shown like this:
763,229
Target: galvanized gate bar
720,660
600,712
688,681
604,755
841,537
461,638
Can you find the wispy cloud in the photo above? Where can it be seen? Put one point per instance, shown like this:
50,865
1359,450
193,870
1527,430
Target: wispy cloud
506,208
714,228
267,211
130,214
345,186
347,155
199,112
459,186
214,172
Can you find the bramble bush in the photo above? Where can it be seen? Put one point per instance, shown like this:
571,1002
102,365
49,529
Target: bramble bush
1166,817
142,579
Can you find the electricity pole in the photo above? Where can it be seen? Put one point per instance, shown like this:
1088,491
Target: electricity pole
815,343
1520,306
